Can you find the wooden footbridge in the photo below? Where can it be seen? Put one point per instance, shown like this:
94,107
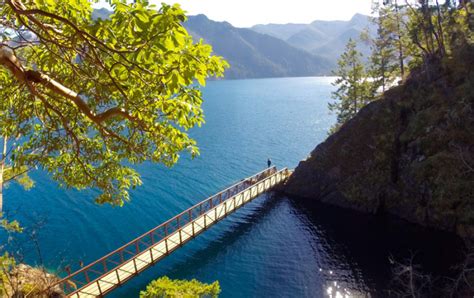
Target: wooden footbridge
113,270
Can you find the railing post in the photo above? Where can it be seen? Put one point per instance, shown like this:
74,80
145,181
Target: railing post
225,208
152,235
105,265
166,245
190,215
205,225
98,286
192,225
180,237
137,247
118,277
178,221
87,276
135,265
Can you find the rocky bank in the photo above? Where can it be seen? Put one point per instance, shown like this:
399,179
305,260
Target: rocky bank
409,154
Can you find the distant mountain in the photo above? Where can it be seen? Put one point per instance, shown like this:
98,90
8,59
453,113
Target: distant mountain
101,13
252,54
322,38
281,31
249,53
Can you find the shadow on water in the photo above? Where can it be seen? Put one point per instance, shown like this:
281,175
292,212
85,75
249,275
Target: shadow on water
367,242
352,249
228,238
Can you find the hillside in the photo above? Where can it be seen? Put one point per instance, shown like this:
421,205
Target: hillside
255,55
409,154
101,13
252,54
322,38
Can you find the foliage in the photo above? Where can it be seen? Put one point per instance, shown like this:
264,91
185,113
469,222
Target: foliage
165,287
10,226
421,33
432,29
19,174
353,90
85,99
7,263
391,20
383,63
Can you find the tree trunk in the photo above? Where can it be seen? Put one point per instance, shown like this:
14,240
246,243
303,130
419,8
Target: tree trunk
383,74
400,46
2,170
355,90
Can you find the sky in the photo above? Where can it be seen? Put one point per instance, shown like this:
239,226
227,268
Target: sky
246,13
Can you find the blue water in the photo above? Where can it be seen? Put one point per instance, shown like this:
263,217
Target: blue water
271,248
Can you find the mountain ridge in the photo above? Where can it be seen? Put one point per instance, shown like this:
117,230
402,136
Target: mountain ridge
255,55
275,50
322,38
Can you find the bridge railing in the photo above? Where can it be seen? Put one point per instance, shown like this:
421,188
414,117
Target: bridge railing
113,260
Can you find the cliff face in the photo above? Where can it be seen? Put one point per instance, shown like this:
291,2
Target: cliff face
409,154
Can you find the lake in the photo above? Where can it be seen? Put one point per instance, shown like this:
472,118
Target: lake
273,247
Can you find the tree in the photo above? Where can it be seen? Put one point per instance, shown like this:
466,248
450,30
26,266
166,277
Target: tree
425,30
383,61
391,17
433,26
353,89
165,287
397,24
86,99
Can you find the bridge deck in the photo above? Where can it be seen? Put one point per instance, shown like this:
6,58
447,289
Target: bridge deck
99,278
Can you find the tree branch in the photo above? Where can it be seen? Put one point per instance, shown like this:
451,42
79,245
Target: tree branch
11,62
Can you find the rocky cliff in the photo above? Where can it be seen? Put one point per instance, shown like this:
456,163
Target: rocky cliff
409,154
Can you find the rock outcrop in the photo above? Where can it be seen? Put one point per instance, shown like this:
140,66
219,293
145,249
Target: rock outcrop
27,281
409,154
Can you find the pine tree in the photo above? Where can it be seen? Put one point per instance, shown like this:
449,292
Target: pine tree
392,16
353,90
383,61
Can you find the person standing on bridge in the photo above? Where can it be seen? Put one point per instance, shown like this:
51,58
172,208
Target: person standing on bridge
269,162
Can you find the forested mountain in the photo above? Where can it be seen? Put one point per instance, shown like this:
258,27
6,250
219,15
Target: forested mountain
275,50
252,54
101,13
323,38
